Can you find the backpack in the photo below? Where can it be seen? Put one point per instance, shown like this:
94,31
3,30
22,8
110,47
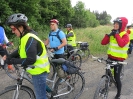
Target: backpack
57,35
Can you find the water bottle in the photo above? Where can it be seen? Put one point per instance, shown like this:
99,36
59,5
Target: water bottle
64,67
112,71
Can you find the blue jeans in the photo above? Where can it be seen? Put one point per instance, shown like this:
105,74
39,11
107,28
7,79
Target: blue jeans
39,83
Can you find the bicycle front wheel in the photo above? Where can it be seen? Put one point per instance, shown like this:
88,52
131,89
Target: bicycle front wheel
76,59
12,71
102,89
24,93
69,88
84,54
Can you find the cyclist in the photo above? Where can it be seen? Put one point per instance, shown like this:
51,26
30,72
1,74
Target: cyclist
118,41
31,51
56,39
130,32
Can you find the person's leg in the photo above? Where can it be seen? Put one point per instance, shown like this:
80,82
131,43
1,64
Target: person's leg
39,83
117,70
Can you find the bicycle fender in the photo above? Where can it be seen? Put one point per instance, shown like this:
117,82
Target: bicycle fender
106,76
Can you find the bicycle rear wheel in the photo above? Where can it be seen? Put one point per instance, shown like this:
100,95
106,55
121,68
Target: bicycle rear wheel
12,71
102,89
24,93
84,54
70,87
76,59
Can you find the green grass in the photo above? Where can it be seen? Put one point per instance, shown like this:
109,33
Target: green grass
91,35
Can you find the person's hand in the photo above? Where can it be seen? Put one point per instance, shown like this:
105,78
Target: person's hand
52,50
4,57
113,32
9,44
55,48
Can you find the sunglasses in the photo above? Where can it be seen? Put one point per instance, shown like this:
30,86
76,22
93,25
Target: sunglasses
51,24
13,29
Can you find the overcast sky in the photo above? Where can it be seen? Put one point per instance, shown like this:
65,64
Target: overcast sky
116,8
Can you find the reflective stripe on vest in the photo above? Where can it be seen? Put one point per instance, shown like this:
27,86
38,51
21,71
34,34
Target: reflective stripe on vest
131,34
42,62
71,40
115,50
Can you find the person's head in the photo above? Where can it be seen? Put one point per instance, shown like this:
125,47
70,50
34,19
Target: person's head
69,27
18,24
54,24
120,23
129,26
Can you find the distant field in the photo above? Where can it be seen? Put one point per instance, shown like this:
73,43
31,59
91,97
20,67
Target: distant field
94,36
91,35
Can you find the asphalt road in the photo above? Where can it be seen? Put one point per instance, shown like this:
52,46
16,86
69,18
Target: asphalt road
93,71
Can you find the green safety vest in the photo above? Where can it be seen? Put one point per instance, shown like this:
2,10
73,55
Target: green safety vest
131,34
115,50
42,63
71,40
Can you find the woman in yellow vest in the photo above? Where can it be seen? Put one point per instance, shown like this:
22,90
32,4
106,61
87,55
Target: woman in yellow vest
118,41
31,51
130,32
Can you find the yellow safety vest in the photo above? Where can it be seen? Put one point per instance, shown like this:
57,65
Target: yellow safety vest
42,63
131,34
71,40
115,50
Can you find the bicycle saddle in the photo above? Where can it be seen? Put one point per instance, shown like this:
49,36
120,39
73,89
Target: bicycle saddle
59,60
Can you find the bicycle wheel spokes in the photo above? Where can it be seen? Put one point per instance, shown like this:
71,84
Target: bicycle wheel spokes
73,86
24,93
12,71
102,89
76,59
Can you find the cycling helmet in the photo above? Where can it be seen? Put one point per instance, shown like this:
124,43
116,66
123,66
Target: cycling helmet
54,21
69,26
118,20
16,19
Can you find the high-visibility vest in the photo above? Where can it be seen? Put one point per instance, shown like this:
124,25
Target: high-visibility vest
42,63
115,50
131,34
71,40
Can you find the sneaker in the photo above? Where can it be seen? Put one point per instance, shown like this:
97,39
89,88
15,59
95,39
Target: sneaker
117,97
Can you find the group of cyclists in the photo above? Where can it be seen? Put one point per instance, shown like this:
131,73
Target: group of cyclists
32,51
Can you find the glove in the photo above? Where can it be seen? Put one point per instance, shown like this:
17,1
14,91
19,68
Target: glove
113,32
55,48
9,61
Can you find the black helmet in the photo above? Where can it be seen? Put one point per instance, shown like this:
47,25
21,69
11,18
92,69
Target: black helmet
16,18
69,26
118,20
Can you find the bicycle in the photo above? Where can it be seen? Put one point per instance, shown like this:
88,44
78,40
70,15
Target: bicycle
107,79
72,56
70,82
11,70
83,50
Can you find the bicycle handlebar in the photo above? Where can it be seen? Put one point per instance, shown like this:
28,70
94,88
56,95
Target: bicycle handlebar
109,61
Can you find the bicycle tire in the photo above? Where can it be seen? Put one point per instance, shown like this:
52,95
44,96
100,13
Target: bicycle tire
102,89
62,87
13,73
84,54
9,91
76,59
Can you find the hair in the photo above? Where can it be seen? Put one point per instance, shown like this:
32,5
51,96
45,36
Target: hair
25,26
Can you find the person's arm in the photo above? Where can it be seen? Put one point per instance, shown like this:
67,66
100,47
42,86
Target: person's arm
105,40
63,39
46,42
128,31
5,38
2,51
70,34
122,41
14,54
31,52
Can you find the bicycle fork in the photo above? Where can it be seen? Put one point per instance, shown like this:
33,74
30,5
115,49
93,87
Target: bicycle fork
16,92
